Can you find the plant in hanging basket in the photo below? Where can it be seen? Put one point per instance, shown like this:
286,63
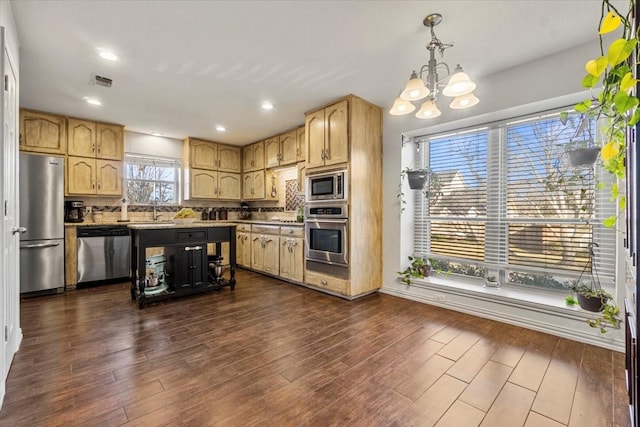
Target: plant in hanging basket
583,156
417,178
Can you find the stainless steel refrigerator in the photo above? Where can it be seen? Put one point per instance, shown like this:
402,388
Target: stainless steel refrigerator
42,213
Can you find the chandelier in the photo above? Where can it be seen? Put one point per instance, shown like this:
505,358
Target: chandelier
429,85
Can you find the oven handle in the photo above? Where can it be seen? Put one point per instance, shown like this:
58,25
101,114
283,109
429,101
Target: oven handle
329,220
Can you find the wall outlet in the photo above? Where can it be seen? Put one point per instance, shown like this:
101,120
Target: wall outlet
439,298
87,209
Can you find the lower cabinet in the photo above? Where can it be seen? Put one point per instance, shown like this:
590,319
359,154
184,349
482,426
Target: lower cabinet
243,249
292,258
185,265
265,255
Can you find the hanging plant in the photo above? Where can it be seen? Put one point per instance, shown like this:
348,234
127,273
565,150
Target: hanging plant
417,179
614,70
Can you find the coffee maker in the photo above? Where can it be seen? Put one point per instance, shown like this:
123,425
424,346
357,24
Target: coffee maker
73,211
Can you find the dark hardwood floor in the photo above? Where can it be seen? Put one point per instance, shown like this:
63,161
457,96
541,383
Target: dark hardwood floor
277,354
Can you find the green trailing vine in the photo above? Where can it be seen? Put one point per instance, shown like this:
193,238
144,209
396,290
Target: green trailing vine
614,102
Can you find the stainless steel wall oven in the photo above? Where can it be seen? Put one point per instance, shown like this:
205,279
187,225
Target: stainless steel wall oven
327,237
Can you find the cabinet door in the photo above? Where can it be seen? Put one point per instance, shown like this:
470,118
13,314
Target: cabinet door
229,159
271,152
285,258
258,185
204,154
204,184
314,132
257,252
247,186
248,158
302,178
82,138
197,264
288,144
336,139
109,141
108,177
229,185
81,175
300,144
272,254
297,260
258,155
43,133
243,249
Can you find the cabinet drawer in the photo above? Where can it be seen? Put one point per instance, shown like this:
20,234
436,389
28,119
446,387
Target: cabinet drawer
243,227
292,231
265,229
198,235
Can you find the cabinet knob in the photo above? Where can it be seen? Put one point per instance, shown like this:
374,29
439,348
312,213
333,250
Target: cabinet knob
98,149
290,231
324,282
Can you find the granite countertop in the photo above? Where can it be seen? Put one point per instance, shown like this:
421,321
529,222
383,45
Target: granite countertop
172,224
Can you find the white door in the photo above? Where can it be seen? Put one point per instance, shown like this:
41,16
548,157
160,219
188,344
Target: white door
10,295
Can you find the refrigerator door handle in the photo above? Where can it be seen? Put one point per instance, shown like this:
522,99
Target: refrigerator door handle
20,230
40,245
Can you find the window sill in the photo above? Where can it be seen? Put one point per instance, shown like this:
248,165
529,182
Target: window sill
534,300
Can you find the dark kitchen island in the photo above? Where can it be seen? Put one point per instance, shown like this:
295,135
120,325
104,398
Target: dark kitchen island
187,262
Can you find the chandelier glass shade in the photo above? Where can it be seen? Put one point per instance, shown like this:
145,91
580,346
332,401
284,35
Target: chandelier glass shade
427,84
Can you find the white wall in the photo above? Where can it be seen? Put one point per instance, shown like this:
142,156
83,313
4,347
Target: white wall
549,83
141,143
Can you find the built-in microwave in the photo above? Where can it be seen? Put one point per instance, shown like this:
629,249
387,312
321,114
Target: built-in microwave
327,186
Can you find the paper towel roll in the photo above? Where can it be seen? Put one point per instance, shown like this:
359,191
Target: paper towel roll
123,210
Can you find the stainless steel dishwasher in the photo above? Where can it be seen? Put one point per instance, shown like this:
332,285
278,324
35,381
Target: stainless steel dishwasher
103,253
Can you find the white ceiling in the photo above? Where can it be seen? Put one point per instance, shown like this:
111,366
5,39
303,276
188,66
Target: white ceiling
186,66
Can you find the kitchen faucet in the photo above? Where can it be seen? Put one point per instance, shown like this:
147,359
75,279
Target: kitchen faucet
155,205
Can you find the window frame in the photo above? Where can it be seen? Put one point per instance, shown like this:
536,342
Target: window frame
155,161
497,263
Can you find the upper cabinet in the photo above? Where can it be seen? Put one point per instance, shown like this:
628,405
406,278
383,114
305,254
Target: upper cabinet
109,141
210,155
229,158
214,169
301,150
253,156
91,139
280,150
94,177
327,135
42,133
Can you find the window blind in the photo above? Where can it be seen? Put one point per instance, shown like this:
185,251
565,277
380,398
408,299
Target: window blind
506,197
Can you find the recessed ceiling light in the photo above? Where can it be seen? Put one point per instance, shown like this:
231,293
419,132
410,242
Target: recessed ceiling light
93,101
267,105
157,133
221,128
109,56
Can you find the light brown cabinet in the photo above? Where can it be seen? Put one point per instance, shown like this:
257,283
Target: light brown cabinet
300,144
327,136
253,157
207,184
253,185
243,249
214,170
349,132
42,133
265,254
96,140
94,176
201,154
280,150
292,254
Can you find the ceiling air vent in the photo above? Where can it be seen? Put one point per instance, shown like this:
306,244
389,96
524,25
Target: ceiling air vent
101,81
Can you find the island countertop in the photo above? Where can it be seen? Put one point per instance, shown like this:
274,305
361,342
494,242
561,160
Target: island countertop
179,224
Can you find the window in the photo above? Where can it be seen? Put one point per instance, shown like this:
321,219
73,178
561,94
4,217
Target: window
152,180
504,201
